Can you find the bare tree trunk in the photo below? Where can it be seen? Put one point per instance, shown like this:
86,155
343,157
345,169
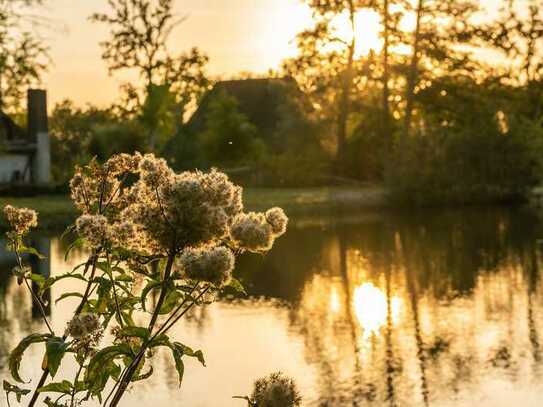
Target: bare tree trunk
413,74
345,104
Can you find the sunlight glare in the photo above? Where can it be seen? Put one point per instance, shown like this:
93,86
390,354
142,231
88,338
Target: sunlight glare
367,34
370,306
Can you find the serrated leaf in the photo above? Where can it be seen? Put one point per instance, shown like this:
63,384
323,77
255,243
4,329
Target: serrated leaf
55,351
16,354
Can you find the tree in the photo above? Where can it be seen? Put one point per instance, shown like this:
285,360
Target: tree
442,30
327,65
139,34
23,56
517,34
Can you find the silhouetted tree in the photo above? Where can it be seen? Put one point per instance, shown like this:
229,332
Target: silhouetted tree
139,34
23,56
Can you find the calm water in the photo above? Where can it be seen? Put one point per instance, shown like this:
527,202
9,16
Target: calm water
433,309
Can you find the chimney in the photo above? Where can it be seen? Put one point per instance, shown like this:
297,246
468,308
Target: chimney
39,133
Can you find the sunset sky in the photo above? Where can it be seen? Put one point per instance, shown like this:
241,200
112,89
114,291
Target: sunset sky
238,35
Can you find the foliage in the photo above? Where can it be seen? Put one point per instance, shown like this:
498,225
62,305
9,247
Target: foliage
23,56
72,130
139,34
147,229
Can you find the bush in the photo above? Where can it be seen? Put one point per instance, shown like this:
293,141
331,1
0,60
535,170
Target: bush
470,166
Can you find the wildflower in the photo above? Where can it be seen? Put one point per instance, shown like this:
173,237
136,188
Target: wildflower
251,231
276,390
21,219
83,325
278,220
213,265
94,228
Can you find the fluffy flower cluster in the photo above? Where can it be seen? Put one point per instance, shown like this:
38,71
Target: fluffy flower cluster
83,325
276,390
162,212
214,265
252,231
93,228
95,188
21,219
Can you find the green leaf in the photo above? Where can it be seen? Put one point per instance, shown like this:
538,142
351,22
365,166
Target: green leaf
177,353
101,366
236,286
135,331
10,388
59,387
160,340
53,280
31,250
16,354
66,295
189,352
38,279
143,376
55,350
76,243
50,403
124,278
170,302
150,286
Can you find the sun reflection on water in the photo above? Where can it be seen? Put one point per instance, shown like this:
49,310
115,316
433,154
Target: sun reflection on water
371,308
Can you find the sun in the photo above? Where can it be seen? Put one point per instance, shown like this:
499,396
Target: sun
371,308
367,31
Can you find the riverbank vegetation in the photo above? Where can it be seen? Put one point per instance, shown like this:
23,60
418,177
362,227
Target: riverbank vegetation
443,106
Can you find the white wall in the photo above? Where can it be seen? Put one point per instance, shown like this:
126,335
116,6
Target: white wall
10,163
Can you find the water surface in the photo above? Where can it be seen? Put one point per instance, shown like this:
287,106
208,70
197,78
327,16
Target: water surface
440,308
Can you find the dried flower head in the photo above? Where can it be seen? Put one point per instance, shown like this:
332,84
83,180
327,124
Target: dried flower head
278,220
83,325
213,265
251,231
276,390
93,228
21,219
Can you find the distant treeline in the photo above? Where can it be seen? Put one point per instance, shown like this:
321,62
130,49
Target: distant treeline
447,107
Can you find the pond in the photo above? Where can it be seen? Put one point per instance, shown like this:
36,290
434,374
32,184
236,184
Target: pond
437,308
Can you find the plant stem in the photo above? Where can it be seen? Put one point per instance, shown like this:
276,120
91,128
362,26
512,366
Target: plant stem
36,299
92,261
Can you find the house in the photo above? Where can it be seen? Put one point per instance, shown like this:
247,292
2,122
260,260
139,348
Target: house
25,157
264,101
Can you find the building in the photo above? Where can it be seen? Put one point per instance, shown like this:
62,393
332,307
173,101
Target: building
25,156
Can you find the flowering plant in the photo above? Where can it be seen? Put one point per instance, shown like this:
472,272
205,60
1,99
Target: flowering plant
147,229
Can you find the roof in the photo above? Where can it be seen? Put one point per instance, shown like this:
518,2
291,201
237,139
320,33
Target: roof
258,99
13,137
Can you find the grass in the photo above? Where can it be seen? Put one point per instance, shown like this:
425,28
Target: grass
56,211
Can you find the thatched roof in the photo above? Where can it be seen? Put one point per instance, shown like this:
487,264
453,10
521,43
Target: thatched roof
258,99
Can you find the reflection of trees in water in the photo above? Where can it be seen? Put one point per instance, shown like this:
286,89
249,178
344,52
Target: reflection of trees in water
458,267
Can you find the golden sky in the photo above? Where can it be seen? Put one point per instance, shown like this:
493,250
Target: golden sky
238,35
